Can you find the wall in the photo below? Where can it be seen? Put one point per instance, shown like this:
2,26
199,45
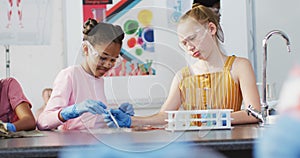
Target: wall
35,67
72,30
283,16
235,26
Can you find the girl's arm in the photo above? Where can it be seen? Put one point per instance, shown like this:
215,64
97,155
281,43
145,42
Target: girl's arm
49,118
21,106
244,74
26,119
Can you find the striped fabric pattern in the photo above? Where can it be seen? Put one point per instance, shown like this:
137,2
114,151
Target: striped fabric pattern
215,90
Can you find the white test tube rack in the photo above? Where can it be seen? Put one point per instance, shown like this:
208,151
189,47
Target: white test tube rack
210,119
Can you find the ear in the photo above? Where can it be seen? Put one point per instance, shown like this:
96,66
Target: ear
212,28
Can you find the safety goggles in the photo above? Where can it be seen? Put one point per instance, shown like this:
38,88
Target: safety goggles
195,38
101,57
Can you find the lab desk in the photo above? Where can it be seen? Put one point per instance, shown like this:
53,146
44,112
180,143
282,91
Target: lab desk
232,142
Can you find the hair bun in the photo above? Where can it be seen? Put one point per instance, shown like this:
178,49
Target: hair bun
89,25
195,5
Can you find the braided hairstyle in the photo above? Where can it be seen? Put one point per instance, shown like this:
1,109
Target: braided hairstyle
204,15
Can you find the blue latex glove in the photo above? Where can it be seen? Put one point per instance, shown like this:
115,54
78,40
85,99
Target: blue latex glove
127,108
10,127
123,119
92,106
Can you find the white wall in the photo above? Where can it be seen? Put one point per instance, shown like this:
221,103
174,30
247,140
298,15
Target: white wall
283,16
73,16
234,24
35,67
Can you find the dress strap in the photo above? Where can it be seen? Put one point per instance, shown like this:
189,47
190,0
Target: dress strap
185,72
229,62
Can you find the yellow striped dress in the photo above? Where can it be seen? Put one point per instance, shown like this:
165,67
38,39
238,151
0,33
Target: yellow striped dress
215,90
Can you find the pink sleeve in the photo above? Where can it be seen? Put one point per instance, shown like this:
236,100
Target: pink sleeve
61,94
15,93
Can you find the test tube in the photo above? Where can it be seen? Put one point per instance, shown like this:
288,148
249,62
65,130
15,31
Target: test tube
207,98
208,104
187,99
198,98
198,102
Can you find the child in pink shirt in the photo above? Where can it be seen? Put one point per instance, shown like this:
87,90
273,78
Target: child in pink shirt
15,112
78,100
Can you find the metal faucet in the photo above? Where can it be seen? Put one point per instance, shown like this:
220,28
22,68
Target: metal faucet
262,116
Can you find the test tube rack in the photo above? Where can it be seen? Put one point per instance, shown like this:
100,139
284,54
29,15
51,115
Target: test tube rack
198,119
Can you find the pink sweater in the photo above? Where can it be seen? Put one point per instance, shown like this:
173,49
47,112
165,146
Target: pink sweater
73,85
